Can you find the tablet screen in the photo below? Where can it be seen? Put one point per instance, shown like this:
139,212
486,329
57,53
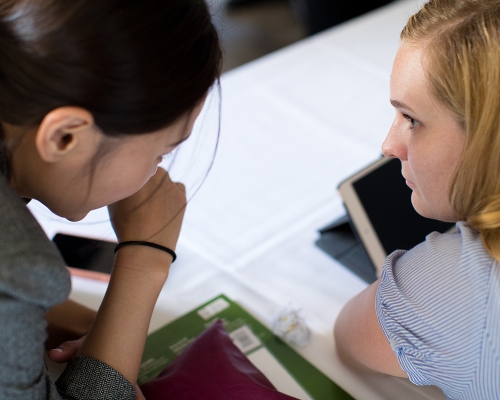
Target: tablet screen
386,200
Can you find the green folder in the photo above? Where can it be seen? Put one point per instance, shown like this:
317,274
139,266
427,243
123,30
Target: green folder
254,339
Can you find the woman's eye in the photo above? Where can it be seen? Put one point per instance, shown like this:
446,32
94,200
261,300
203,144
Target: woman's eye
413,122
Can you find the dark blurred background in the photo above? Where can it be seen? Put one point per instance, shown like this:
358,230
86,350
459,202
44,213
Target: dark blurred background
253,28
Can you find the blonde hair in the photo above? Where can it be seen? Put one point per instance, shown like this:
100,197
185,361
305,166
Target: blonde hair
462,60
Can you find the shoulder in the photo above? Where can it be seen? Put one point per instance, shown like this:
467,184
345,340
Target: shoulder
434,305
31,269
446,274
457,260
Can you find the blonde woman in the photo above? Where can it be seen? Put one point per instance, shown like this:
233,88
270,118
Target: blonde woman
434,314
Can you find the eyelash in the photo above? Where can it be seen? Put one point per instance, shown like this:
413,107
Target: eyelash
413,121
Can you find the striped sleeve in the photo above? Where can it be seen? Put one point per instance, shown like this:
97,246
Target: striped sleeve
432,305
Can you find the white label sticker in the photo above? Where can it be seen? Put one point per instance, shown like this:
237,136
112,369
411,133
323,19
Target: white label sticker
213,308
244,339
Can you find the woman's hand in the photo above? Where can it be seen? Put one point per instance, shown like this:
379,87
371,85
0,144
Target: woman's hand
139,396
67,323
152,214
66,351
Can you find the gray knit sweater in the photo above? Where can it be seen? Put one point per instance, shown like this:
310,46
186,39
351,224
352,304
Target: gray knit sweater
33,278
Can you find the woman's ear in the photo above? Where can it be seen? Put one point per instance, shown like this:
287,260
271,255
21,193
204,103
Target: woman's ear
62,131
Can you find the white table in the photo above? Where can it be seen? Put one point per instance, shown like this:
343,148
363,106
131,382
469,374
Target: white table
294,124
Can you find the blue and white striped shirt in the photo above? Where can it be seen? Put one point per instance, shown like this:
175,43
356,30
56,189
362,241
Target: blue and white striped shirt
439,306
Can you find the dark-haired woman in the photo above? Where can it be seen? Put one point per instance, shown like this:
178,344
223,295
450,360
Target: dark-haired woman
92,94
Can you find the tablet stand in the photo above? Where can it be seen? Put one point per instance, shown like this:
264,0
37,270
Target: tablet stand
340,242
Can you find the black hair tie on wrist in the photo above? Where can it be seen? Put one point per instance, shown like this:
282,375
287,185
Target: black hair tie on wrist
149,244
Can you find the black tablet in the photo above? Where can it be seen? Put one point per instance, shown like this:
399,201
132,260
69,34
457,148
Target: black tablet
378,202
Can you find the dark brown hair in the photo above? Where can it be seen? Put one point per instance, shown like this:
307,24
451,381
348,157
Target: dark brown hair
136,65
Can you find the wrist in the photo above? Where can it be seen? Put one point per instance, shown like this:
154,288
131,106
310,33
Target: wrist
147,244
143,258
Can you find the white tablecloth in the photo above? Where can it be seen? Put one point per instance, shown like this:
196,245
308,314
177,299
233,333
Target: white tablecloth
294,124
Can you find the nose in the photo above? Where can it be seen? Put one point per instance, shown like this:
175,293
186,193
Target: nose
394,145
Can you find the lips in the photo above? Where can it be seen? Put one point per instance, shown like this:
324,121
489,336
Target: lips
408,182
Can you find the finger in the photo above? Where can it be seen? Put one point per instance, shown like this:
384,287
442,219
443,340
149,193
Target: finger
139,395
163,173
65,351
181,187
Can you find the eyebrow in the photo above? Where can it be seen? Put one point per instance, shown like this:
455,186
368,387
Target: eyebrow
398,104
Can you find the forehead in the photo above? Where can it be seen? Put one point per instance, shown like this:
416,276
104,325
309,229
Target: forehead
408,68
408,79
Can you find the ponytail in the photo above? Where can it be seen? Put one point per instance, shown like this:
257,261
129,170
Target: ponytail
487,223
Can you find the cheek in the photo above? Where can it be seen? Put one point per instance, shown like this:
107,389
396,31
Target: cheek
423,158
431,176
136,178
426,175
122,184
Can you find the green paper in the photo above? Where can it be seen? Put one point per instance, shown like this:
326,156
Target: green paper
252,337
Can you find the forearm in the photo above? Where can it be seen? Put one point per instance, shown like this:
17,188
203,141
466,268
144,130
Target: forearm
119,332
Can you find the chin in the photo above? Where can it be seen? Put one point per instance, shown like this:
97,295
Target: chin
63,212
427,211
73,219
72,216
76,218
